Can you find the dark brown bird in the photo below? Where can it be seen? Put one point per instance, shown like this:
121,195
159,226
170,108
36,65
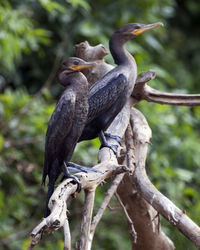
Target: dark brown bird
109,95
66,123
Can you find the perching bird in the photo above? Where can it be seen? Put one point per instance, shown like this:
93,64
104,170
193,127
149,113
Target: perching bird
66,123
109,95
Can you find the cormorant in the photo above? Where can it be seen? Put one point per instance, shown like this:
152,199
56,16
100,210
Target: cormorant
108,95
66,123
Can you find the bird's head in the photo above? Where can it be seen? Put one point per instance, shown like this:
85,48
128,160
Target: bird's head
131,30
71,65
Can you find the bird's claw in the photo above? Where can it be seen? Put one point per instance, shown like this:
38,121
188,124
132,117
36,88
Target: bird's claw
77,181
113,147
73,167
114,137
75,178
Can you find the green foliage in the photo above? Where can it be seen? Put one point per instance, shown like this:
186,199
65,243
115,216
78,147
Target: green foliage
35,35
22,145
18,35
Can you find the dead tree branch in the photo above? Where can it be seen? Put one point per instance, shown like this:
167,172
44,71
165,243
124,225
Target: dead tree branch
86,219
163,205
112,189
144,92
67,235
130,222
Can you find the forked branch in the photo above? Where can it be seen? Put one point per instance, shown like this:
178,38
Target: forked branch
162,204
144,92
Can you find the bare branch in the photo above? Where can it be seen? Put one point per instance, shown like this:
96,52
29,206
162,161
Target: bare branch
57,203
163,205
112,189
138,210
67,235
153,95
132,229
144,92
83,243
130,159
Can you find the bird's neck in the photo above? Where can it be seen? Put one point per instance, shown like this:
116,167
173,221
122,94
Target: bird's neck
75,80
117,48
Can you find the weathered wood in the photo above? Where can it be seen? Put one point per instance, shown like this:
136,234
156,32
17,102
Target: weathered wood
178,218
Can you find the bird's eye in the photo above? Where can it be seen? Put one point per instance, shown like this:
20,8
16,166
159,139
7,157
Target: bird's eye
137,27
75,62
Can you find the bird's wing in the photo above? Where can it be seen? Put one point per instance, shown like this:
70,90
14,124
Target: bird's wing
58,128
104,98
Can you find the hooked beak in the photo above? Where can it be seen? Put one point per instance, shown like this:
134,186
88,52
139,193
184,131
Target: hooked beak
146,27
83,66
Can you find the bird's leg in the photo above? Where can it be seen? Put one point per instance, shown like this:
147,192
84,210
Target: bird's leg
104,143
68,175
114,137
73,167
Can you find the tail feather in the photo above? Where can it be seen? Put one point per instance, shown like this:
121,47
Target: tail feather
49,194
53,174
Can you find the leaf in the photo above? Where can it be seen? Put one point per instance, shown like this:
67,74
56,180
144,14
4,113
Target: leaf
81,3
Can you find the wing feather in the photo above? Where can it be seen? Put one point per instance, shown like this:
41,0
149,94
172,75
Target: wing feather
103,98
58,128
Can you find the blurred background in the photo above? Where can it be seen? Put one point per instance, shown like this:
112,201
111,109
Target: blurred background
35,35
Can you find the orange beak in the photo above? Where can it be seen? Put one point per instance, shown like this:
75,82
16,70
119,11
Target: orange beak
147,27
83,66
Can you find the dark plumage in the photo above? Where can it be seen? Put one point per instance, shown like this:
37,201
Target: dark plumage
108,96
67,121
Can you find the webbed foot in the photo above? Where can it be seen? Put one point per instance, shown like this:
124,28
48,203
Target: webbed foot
113,147
105,144
114,137
68,175
73,167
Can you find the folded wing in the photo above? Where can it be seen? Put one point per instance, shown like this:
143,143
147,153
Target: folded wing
58,128
105,97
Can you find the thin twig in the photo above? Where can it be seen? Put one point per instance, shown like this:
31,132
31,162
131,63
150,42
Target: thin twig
158,224
111,208
112,189
130,222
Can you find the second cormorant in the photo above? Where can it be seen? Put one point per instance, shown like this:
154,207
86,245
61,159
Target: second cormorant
66,123
108,95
